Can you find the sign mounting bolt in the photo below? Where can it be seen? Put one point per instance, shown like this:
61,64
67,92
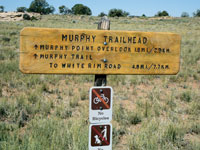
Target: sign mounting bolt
101,108
105,43
105,60
101,90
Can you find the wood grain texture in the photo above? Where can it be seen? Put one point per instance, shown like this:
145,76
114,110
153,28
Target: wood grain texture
76,51
101,79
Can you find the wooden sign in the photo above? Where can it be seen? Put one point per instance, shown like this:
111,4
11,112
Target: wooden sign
73,51
100,104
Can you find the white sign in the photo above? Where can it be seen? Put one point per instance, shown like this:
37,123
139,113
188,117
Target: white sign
100,104
100,136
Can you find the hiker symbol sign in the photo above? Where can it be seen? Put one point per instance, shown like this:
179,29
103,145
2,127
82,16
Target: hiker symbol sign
100,104
100,137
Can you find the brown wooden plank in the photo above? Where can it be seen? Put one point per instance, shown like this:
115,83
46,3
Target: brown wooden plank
77,51
101,79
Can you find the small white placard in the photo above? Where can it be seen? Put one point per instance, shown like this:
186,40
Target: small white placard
100,109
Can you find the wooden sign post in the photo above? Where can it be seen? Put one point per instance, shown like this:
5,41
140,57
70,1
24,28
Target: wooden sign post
99,52
104,24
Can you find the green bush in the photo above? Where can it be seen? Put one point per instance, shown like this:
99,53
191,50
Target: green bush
26,17
117,13
6,39
4,106
80,9
1,9
63,112
171,133
33,18
102,14
186,96
21,9
162,13
41,6
195,128
134,118
143,15
197,13
64,10
185,14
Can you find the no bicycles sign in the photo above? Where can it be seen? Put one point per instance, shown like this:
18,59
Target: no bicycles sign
100,104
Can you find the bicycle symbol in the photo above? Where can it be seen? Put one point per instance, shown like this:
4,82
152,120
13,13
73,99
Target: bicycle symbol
96,100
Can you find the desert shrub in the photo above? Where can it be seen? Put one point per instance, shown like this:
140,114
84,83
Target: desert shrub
117,13
41,6
1,9
26,17
185,14
195,128
194,108
45,88
102,14
162,13
5,131
33,98
143,15
73,102
63,112
21,9
197,13
6,39
134,118
64,10
33,18
80,9
171,133
4,107
186,96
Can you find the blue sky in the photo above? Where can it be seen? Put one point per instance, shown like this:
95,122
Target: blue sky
134,7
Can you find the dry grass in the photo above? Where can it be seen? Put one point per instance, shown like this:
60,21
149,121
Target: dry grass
51,111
